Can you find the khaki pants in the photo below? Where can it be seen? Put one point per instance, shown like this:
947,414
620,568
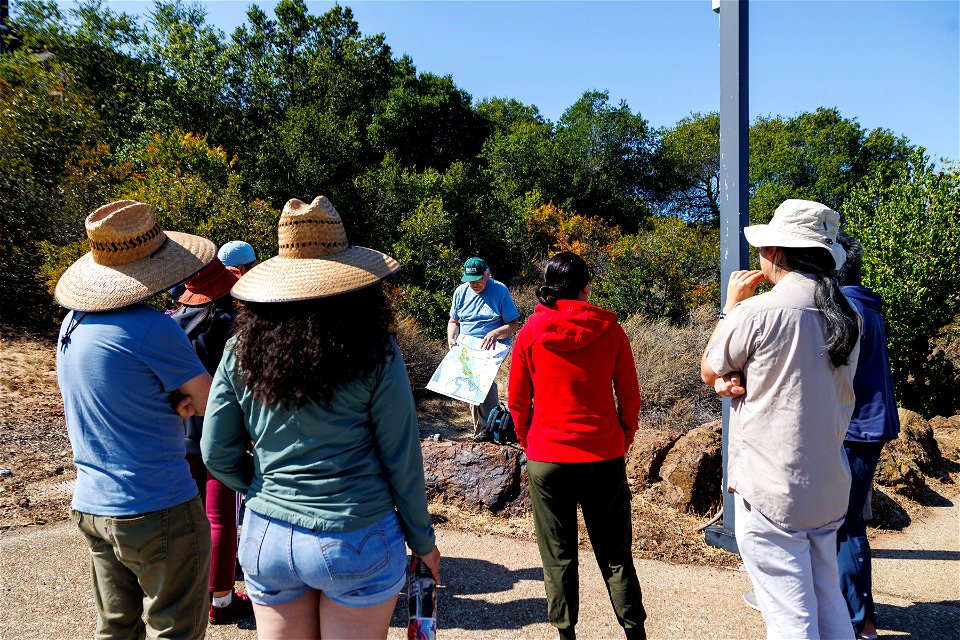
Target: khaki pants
480,412
155,565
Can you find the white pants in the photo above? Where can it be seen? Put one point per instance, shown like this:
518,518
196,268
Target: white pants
795,577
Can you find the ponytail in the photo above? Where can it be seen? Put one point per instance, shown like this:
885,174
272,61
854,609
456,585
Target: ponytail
564,277
843,330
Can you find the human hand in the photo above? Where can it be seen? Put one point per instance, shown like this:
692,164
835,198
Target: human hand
451,343
184,407
742,285
729,385
432,560
490,340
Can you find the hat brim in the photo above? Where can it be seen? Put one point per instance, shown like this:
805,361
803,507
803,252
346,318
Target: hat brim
764,235
88,286
467,278
282,279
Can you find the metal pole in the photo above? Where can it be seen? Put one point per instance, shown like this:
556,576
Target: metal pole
734,199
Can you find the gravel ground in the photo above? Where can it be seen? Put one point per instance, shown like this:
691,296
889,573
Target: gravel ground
493,589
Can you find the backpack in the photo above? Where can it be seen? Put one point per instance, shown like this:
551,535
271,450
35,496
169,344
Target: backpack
500,423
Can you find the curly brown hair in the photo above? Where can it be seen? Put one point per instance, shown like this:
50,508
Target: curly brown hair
291,353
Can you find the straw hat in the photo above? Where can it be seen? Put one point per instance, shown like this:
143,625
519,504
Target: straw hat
212,283
315,260
800,223
131,258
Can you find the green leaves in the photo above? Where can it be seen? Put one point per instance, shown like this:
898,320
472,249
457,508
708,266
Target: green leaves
909,227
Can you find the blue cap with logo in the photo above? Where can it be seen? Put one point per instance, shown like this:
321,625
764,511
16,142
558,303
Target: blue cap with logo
473,270
236,253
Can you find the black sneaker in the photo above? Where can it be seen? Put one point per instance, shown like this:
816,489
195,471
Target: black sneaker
239,608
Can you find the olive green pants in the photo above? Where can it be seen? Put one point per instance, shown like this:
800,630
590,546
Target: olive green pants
153,566
600,488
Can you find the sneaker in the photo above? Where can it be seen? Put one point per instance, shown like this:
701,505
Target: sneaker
238,609
484,436
751,600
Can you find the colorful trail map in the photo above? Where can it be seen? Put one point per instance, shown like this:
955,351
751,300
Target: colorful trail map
467,371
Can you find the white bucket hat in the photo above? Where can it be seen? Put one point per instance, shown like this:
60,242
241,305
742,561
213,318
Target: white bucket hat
800,223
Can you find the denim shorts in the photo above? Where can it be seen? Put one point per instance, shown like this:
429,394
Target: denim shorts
282,561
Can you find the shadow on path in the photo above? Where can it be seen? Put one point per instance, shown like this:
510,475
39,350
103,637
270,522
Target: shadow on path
921,620
915,554
458,606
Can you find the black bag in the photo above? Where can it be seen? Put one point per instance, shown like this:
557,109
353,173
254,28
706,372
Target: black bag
500,423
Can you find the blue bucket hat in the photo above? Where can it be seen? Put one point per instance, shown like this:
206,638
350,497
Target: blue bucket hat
236,253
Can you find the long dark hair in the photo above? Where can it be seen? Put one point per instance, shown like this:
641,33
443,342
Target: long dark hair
840,318
293,352
564,277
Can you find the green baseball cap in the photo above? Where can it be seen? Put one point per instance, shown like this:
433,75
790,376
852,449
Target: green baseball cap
473,269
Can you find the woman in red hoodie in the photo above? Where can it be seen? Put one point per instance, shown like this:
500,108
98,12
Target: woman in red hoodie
568,362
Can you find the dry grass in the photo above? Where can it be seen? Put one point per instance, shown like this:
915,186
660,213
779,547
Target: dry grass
28,377
421,354
668,368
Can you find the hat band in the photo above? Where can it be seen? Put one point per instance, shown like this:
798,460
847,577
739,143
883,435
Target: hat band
117,252
811,237
312,249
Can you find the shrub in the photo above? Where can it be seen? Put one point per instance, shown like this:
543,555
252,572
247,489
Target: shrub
662,273
910,231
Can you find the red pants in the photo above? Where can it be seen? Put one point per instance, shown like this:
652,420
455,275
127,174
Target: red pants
220,503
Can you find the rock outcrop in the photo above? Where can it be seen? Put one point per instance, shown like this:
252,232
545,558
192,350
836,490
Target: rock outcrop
916,440
692,471
897,472
946,431
477,476
649,450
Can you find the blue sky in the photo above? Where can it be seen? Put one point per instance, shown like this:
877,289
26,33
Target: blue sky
891,64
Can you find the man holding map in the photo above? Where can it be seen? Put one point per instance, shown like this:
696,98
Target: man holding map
482,308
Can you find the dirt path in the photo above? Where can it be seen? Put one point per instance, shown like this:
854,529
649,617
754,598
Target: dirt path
493,589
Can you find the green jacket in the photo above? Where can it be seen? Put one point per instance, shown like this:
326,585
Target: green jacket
340,467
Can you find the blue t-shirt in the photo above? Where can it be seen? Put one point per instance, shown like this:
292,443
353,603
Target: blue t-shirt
116,373
481,313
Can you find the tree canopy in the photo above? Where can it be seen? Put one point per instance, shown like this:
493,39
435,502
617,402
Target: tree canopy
217,131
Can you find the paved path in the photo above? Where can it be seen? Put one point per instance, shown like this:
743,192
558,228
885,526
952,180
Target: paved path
492,589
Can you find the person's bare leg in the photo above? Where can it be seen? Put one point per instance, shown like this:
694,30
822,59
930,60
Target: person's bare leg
339,622
295,619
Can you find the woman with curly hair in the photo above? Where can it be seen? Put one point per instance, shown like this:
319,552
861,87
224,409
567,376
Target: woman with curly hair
311,416
787,357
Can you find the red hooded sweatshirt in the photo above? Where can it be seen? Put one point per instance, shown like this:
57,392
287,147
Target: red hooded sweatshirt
568,361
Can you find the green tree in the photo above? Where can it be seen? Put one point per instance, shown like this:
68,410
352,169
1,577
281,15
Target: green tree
816,156
910,231
46,118
605,161
519,155
688,169
428,122
100,48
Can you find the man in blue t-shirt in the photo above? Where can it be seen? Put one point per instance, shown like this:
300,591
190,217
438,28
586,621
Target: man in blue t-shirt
875,421
482,308
128,377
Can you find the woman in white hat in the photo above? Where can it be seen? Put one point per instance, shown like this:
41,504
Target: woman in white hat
334,478
787,358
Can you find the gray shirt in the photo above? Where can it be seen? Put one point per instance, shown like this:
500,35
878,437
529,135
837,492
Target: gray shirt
786,433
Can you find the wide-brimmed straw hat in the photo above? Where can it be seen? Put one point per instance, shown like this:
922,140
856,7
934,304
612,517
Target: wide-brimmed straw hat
800,223
315,259
131,258
212,283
